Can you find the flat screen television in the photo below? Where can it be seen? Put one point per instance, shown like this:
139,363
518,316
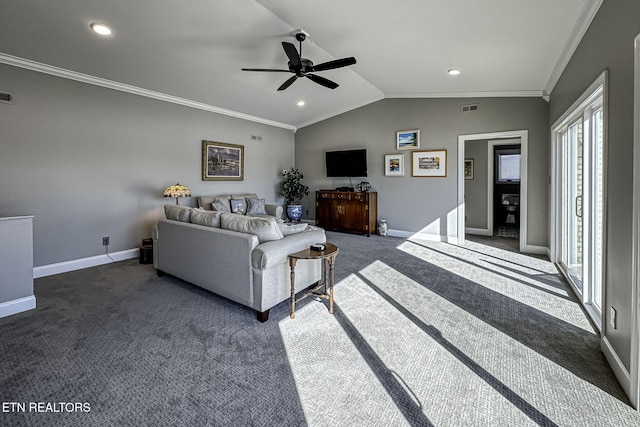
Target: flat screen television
347,163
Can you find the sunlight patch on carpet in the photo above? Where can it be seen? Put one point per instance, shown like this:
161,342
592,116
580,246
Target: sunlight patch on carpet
540,293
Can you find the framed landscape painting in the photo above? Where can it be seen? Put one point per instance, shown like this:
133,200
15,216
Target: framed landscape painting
222,162
429,163
394,165
407,139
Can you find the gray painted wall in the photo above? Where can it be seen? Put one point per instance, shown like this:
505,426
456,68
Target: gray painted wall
608,44
91,162
411,204
475,190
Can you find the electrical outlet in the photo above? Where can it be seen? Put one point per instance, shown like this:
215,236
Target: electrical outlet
612,317
105,241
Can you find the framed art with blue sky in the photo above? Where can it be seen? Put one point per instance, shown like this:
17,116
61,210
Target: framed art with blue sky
408,139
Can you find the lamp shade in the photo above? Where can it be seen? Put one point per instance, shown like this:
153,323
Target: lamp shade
177,191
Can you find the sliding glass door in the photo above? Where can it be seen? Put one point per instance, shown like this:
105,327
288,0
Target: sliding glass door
580,200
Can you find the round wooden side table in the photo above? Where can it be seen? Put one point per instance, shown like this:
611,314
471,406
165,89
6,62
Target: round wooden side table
328,257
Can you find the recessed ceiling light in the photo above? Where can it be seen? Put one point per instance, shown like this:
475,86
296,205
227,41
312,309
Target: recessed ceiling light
300,103
453,71
102,29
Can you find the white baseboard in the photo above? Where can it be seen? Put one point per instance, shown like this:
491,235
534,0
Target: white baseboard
478,231
79,264
616,364
17,306
399,233
537,250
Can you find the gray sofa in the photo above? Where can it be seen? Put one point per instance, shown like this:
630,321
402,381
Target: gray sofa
240,258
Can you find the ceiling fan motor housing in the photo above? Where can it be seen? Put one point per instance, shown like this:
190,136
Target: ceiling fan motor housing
306,66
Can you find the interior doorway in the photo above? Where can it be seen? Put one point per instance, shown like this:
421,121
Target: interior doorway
505,157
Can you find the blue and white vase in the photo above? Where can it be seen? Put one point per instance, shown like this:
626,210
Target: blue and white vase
294,212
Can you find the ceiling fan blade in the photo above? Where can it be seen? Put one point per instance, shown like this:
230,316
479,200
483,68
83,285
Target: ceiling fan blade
337,63
288,83
322,81
266,69
292,54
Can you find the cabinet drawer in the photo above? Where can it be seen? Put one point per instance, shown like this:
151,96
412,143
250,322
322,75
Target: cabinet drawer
327,195
343,196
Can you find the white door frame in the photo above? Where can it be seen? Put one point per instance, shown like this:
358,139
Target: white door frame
523,135
634,395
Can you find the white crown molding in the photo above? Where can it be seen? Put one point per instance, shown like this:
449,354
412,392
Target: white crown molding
110,84
580,28
480,94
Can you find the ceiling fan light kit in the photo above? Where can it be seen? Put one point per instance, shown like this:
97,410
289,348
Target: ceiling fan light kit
303,67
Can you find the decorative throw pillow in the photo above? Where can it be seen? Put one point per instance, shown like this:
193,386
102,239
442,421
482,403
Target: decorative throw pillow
177,213
238,206
256,207
219,205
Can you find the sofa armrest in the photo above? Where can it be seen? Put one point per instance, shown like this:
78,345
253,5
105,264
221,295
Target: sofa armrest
269,254
274,210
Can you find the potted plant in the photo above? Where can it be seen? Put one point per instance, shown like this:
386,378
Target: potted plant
293,191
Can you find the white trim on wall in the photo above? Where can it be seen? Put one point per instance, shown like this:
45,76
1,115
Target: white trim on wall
79,264
110,84
523,135
587,14
634,388
17,306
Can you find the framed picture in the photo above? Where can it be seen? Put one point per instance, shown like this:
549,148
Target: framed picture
429,163
468,168
408,139
394,165
222,162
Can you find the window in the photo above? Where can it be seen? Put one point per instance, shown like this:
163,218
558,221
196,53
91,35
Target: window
508,167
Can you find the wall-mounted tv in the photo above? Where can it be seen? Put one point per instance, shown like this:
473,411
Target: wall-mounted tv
347,163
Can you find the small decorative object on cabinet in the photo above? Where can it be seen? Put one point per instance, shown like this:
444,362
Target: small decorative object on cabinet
382,227
363,186
347,211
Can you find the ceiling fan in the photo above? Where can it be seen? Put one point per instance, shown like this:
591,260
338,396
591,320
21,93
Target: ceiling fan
302,67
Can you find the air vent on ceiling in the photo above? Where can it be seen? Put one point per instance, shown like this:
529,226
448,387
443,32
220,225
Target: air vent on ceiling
256,138
468,108
6,98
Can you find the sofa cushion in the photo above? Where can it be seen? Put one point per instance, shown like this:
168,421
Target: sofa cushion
204,202
244,196
256,207
177,213
265,229
288,228
208,218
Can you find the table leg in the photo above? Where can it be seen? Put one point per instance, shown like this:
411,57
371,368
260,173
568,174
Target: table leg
292,265
331,263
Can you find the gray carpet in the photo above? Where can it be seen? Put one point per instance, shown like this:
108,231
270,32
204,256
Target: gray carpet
423,334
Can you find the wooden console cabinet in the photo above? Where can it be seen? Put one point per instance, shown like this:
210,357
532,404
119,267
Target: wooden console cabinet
347,211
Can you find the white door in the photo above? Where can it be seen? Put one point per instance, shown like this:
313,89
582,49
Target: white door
580,201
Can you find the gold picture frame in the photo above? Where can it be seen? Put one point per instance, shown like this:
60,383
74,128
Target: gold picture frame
222,161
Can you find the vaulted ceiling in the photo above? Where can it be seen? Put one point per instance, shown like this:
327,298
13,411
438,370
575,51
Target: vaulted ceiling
192,51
